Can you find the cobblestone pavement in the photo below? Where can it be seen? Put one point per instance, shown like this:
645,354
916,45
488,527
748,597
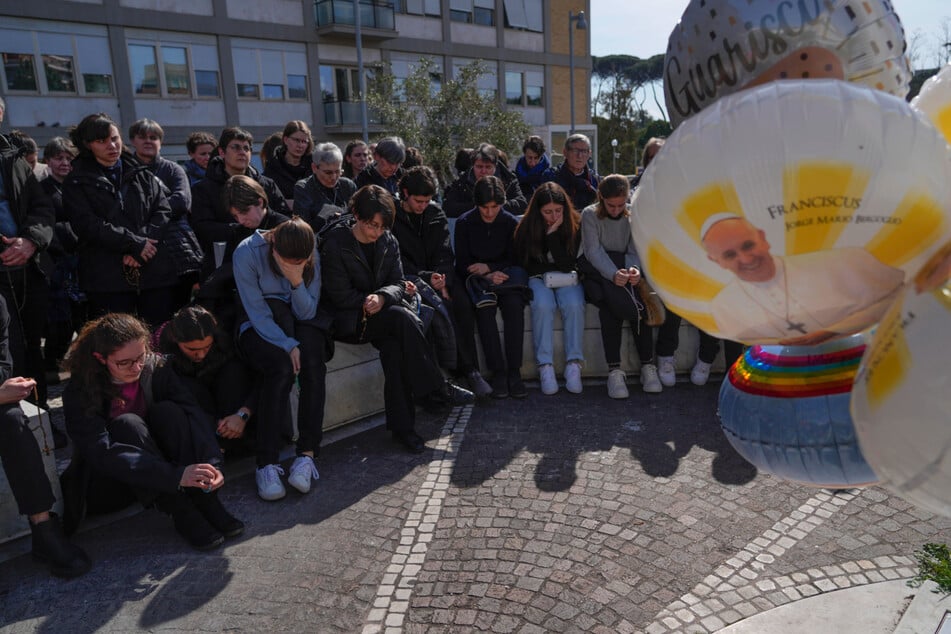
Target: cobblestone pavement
552,514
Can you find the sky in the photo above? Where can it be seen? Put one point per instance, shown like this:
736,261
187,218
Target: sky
642,27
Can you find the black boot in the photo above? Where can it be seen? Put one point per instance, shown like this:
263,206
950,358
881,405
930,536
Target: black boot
189,523
214,511
51,547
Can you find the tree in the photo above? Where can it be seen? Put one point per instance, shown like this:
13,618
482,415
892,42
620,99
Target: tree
440,119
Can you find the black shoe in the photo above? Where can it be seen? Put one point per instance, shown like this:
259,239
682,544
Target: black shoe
433,403
196,530
455,395
210,507
517,387
500,386
50,547
411,440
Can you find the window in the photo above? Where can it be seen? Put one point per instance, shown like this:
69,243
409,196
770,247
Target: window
174,69
19,72
270,74
73,59
420,7
341,95
487,83
473,11
525,88
524,14
403,65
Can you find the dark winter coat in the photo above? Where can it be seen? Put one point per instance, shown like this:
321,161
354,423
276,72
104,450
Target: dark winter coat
530,179
582,188
113,223
317,204
285,175
179,238
491,243
32,209
348,278
424,248
370,176
459,195
213,223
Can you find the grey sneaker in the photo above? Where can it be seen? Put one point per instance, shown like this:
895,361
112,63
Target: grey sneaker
666,371
546,376
269,483
700,373
573,377
479,385
650,382
617,384
303,470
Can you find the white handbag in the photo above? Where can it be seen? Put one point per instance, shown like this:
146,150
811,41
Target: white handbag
558,279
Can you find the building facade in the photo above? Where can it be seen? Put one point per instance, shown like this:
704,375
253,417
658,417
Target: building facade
206,64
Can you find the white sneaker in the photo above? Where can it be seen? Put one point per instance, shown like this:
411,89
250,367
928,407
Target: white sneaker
573,377
700,373
303,470
546,375
666,371
269,482
617,384
649,379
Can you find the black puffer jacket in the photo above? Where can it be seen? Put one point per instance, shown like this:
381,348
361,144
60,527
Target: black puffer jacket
179,238
370,176
459,195
32,209
348,278
114,223
424,247
285,175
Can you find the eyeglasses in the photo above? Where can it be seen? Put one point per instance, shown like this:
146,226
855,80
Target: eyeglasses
125,364
298,140
236,147
577,151
373,225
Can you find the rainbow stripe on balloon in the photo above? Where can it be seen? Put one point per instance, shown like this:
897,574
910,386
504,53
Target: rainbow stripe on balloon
798,371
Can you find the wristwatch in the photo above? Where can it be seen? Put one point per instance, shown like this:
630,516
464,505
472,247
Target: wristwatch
243,415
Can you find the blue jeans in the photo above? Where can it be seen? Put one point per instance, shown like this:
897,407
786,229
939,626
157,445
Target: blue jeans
570,301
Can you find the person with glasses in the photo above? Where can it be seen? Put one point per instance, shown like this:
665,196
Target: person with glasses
139,435
386,169
210,218
120,213
284,337
364,283
578,180
291,160
356,157
324,194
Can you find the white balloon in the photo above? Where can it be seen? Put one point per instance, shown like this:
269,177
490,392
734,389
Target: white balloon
934,101
825,194
900,401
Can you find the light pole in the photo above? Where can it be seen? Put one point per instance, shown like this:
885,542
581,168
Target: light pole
582,25
614,156
364,119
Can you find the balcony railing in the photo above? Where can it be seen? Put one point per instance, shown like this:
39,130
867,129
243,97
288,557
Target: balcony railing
346,113
376,14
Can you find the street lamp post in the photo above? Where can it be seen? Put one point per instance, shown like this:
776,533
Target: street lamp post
582,25
614,156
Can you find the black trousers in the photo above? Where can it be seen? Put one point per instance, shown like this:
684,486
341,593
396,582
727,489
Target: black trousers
512,307
612,323
23,462
26,292
710,346
275,377
668,334
463,321
409,370
154,306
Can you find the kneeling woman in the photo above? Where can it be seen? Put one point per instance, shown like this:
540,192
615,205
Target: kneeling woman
278,278
138,430
363,278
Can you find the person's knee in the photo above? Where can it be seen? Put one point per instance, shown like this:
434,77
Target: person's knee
128,429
